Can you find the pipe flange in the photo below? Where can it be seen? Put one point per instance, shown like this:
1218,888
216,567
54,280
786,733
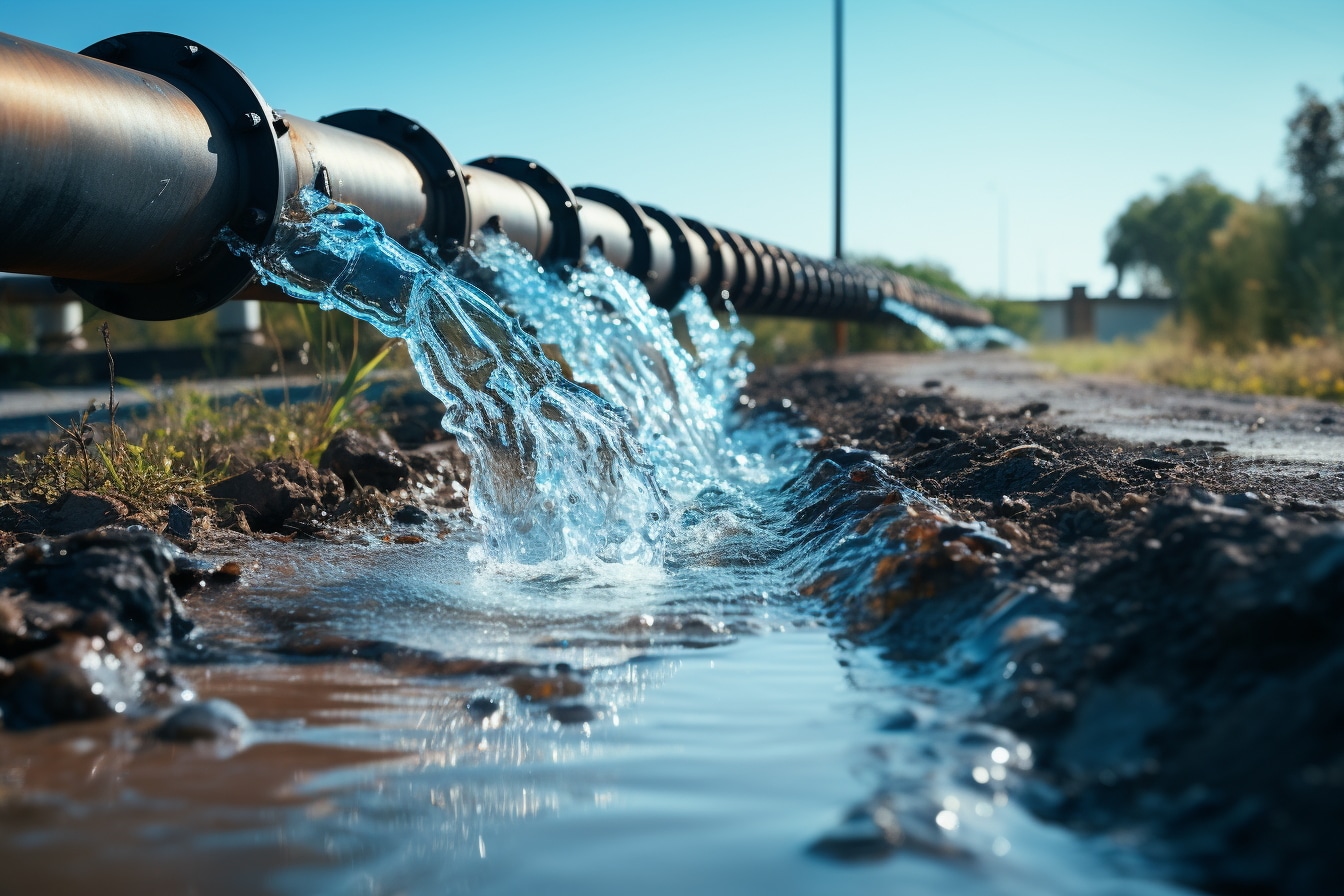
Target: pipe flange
448,216
566,233
744,285
641,251
681,235
211,280
714,281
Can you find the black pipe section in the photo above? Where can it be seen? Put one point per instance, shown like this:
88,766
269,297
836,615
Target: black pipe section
120,165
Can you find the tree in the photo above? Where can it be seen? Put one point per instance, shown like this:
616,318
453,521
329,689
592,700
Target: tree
1236,292
1161,239
1315,266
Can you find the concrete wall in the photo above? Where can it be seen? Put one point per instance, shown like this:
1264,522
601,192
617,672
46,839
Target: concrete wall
1104,319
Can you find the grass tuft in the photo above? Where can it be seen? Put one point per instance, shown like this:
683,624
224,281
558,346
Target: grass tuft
1311,367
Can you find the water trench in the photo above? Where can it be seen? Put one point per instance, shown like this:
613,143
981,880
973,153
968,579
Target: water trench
641,665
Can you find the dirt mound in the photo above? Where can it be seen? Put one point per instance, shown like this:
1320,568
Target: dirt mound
1181,627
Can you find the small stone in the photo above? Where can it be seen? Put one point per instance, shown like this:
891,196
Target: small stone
1131,502
268,495
79,511
536,687
361,460
572,713
867,834
208,720
1033,409
228,572
408,539
411,515
179,521
482,709
904,720
81,677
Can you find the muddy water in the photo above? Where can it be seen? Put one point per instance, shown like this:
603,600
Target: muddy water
633,730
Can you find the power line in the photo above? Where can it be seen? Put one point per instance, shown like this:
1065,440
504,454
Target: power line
1046,50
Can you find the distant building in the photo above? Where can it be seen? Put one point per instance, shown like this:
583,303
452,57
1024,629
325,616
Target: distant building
1103,319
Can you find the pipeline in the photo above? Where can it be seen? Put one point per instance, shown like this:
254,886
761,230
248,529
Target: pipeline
120,165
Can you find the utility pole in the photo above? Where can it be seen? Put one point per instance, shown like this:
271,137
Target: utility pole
1003,246
841,327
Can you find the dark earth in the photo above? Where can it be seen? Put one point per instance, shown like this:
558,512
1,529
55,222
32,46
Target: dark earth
1186,694
1162,621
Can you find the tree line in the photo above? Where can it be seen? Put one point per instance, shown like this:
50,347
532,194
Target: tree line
1244,272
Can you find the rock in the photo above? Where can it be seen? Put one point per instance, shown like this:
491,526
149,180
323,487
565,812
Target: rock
1010,507
1032,409
208,720
228,572
78,511
411,516
81,677
179,521
412,416
483,709
116,573
26,517
901,720
544,687
572,713
270,494
868,833
361,460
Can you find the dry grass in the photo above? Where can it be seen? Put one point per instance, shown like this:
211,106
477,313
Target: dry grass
1311,367
184,440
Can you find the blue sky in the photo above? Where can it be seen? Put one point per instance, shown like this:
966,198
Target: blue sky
1049,114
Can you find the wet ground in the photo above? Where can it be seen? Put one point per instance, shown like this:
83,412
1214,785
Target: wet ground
1142,688
494,742
1177,603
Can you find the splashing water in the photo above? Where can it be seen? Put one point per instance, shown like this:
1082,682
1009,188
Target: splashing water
966,338
616,339
557,472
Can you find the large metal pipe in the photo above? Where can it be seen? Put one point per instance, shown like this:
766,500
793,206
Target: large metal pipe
120,165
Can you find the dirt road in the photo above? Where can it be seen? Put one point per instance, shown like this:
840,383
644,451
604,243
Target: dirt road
1258,427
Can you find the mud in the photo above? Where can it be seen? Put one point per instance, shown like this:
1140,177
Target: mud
85,623
1167,632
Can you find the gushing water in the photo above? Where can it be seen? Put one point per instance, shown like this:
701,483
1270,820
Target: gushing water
617,340
557,472
972,338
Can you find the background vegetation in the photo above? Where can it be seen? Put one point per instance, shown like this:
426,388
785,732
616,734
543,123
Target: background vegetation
1249,275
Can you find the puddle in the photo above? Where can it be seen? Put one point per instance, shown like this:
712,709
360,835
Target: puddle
705,742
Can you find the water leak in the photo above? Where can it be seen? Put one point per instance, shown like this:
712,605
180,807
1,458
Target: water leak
616,339
435,718
965,338
557,472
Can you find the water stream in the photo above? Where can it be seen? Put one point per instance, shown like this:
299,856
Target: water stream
557,471
948,336
621,678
